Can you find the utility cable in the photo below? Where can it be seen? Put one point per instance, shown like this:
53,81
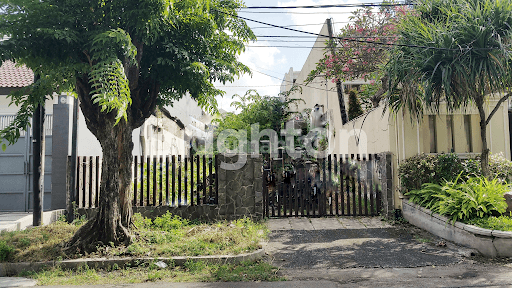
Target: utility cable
296,25
293,83
315,37
282,46
352,39
291,12
362,5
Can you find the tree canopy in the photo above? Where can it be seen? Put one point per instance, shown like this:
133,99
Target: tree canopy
171,47
266,111
362,47
121,59
455,52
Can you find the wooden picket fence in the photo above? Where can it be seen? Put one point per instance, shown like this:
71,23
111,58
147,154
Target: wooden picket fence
173,180
339,185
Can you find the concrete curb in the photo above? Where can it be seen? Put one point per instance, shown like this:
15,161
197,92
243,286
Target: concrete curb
490,243
25,222
9,269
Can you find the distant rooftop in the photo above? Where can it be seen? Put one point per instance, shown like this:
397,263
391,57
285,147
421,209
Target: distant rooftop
14,77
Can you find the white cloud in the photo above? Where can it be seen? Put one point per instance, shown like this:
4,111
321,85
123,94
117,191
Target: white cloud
262,59
277,61
321,14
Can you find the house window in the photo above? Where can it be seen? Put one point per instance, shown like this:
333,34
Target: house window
469,136
449,129
433,133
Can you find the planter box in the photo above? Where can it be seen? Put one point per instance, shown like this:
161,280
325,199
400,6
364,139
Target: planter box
490,243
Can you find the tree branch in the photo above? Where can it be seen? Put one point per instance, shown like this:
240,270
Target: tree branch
88,109
503,99
132,71
146,108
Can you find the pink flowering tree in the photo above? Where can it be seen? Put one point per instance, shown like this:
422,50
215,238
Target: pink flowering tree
362,49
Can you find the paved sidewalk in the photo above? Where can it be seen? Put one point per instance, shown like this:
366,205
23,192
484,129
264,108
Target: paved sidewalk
15,221
334,223
17,282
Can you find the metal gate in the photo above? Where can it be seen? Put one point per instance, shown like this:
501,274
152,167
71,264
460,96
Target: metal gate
16,169
339,185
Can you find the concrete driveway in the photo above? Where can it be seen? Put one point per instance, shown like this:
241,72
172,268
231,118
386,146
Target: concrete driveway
344,242
368,252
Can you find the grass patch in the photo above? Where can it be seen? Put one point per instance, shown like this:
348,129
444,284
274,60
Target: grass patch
502,223
421,239
36,244
190,272
166,236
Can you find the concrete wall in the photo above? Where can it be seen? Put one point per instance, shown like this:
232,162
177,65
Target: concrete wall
414,137
163,137
5,109
405,137
320,91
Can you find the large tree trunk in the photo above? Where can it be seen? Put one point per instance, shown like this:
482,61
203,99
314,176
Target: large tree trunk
484,158
111,223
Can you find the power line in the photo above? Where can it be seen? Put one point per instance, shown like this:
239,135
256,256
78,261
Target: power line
361,5
351,39
290,41
290,12
297,25
294,83
286,36
249,86
313,37
283,46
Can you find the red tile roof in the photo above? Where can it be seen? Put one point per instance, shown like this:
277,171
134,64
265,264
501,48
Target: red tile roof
12,76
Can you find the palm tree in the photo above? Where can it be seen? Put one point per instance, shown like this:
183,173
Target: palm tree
455,52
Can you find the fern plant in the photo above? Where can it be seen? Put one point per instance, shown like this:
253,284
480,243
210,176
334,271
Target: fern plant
474,198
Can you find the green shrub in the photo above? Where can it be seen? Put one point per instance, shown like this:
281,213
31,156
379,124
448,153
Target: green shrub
169,222
140,222
354,105
5,250
502,223
471,167
441,168
474,198
448,167
500,167
417,170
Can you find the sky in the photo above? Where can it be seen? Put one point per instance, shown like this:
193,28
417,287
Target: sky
269,64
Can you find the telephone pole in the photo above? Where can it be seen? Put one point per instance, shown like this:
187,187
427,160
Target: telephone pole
38,151
339,88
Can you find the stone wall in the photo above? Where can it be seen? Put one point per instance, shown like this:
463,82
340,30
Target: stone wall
385,170
240,195
240,190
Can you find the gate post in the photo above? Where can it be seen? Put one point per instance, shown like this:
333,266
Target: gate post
240,190
386,169
60,151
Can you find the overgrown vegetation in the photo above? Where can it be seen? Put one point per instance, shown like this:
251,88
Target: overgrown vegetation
268,112
43,243
354,105
424,168
190,272
165,236
467,200
502,223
